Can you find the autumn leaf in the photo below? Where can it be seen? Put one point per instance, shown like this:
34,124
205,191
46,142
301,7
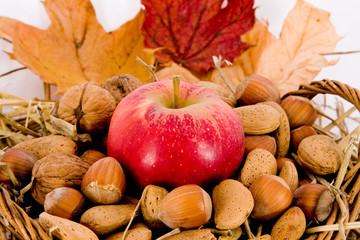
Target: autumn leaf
259,38
295,58
75,48
190,33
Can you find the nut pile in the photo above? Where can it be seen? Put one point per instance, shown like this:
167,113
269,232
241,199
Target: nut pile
81,192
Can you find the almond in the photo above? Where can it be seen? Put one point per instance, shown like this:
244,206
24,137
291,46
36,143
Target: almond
257,163
289,173
282,133
259,118
233,204
62,228
291,225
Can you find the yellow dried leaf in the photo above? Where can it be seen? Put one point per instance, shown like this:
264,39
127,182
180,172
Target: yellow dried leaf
75,48
296,58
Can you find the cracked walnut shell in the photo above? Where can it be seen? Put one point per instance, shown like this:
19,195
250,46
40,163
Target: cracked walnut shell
87,105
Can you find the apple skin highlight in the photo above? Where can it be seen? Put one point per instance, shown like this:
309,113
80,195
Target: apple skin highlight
201,142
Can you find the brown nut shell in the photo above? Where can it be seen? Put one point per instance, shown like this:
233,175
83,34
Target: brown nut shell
137,232
258,89
291,225
315,200
188,206
272,197
104,219
257,163
260,141
259,118
120,86
282,133
64,202
62,228
298,134
233,204
289,173
104,182
299,110
43,146
54,171
20,162
87,105
150,204
320,154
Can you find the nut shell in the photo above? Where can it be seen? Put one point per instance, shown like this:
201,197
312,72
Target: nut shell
120,86
320,154
257,163
315,200
20,162
64,202
259,118
298,134
150,204
43,146
260,141
104,219
54,171
291,225
299,110
104,182
87,105
187,206
272,197
62,228
258,89
233,204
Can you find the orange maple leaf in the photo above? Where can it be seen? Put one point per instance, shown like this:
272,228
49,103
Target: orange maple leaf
75,48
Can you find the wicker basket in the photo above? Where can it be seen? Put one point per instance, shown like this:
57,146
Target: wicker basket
346,185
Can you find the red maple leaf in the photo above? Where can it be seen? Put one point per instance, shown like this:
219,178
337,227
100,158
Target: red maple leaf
191,32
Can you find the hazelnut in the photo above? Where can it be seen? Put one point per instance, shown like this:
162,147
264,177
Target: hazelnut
92,156
315,200
298,134
64,202
20,162
187,206
260,141
299,110
272,196
104,182
257,89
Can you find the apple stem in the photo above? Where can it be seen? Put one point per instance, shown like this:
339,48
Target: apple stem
176,83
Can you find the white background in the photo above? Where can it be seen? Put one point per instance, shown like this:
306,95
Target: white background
113,13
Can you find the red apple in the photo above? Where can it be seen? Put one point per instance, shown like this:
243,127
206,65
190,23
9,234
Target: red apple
199,141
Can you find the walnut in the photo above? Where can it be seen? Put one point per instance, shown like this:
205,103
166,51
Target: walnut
120,86
57,170
87,105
